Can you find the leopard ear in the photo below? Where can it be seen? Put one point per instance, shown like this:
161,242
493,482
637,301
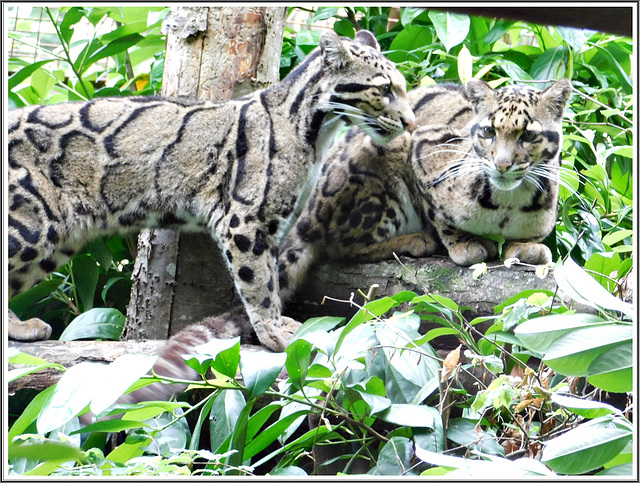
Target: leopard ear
335,53
480,94
555,97
365,37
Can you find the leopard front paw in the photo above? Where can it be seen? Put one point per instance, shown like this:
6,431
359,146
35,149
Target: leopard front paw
277,336
528,252
30,330
473,251
418,245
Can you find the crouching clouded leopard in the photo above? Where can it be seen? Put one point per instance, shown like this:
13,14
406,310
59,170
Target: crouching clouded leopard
235,169
481,162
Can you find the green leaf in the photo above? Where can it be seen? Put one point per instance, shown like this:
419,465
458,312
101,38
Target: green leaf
576,38
118,376
298,361
499,29
72,393
581,287
406,46
111,426
550,65
465,65
71,18
119,45
25,72
584,407
131,448
30,413
23,301
370,310
572,354
99,250
100,323
395,457
465,433
223,418
408,14
410,415
452,28
376,403
317,324
270,434
239,436
45,450
538,334
85,277
612,371
586,447
260,370
224,354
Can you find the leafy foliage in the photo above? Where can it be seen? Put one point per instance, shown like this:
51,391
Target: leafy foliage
373,387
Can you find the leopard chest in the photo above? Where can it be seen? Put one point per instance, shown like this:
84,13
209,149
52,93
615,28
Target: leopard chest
517,214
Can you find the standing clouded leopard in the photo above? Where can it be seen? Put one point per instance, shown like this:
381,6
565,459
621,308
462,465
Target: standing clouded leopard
236,169
481,162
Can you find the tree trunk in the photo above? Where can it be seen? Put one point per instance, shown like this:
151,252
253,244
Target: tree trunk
213,53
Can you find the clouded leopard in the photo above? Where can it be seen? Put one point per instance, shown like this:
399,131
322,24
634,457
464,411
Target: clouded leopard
235,169
481,161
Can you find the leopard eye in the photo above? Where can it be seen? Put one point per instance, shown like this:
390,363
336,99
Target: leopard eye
487,132
528,136
385,90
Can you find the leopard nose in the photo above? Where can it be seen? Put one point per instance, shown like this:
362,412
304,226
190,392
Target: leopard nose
409,121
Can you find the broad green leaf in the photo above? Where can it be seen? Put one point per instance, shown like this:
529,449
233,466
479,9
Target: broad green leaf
239,436
100,252
293,471
25,72
258,419
23,301
316,324
465,432
406,45
452,28
499,29
119,45
223,418
298,361
612,370
99,323
71,18
259,370
376,403
370,310
131,448
72,393
538,334
111,426
271,433
625,469
585,448
118,376
426,390
30,413
221,354
85,277
612,238
581,287
395,457
45,450
411,415
576,38
573,353
408,14
550,65
584,407
466,468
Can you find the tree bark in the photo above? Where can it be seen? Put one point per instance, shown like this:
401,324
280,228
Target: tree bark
213,53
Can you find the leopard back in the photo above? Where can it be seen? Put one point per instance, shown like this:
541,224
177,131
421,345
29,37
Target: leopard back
235,169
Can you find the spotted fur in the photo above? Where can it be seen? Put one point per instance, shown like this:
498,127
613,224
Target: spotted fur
235,169
480,163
